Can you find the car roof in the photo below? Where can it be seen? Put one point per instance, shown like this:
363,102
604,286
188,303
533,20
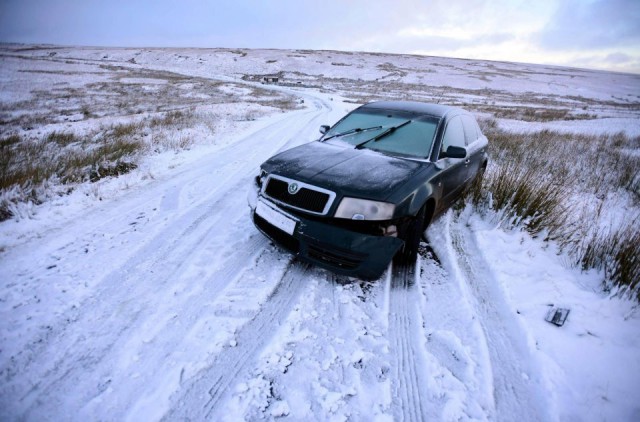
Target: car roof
436,110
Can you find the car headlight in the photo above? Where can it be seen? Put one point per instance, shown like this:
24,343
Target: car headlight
364,209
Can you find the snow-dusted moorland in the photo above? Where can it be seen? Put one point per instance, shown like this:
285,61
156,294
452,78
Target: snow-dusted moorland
134,286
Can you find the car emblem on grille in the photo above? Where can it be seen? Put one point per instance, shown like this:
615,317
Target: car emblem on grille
293,188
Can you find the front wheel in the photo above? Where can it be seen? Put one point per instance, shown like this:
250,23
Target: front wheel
411,233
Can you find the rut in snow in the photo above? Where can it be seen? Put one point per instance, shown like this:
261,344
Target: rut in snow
409,385
183,215
201,399
518,389
165,264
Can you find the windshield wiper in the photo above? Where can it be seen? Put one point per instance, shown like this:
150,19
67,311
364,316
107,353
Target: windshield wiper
383,134
350,131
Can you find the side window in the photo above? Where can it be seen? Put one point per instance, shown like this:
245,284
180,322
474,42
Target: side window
453,134
470,129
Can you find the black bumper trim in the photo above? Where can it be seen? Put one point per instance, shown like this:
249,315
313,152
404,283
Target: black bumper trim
335,248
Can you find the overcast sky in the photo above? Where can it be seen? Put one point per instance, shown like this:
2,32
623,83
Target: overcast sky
601,34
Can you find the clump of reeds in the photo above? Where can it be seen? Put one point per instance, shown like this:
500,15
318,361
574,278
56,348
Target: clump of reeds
540,180
26,165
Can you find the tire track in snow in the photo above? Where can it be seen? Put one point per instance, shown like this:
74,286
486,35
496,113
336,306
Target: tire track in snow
102,316
327,361
109,324
202,397
518,391
460,381
166,254
409,385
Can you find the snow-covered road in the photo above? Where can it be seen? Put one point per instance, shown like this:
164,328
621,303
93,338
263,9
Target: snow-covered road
165,303
151,285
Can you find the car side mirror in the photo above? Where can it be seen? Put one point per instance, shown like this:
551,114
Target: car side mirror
324,129
454,152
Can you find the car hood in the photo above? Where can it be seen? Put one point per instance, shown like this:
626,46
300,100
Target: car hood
344,169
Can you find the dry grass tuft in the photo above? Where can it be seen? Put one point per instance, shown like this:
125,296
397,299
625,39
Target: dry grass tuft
26,165
525,197
125,130
62,138
557,184
617,253
171,119
534,114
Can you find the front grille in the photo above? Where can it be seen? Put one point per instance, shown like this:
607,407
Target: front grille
305,199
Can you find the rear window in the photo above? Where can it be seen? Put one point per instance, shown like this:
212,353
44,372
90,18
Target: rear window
471,130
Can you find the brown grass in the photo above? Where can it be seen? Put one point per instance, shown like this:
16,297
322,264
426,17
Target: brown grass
534,180
617,253
534,114
125,130
27,164
62,138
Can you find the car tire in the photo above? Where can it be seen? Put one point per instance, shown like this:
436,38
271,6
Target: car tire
411,233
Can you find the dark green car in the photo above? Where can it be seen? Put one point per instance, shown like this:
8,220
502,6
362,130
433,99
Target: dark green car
366,190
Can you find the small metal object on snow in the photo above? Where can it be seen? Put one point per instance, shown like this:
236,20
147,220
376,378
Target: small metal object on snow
557,316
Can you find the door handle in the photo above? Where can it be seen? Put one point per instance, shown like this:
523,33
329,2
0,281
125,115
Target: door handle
467,161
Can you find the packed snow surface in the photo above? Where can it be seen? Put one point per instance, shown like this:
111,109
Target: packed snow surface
152,296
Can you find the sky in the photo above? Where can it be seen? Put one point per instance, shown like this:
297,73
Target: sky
600,34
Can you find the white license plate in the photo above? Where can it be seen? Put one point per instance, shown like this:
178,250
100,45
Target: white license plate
276,218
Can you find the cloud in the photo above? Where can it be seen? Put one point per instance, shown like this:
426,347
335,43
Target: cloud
553,31
580,24
443,26
414,40
618,58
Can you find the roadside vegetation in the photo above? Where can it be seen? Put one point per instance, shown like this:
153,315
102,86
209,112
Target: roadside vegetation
580,191
35,168
75,123
31,170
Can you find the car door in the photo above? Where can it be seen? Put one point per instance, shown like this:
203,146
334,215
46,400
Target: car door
475,144
454,172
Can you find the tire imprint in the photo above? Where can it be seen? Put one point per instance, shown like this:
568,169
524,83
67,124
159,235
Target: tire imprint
165,255
164,263
517,387
63,372
201,399
409,384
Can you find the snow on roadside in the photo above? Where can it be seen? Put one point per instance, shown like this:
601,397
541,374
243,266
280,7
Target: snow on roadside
591,365
600,126
457,359
161,166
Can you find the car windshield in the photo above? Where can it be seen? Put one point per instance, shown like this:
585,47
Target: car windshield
412,138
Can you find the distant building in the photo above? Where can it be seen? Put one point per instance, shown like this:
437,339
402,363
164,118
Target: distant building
270,79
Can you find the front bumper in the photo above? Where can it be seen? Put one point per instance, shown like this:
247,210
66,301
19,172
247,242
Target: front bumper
335,248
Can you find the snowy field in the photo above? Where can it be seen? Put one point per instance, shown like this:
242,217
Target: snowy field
151,296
